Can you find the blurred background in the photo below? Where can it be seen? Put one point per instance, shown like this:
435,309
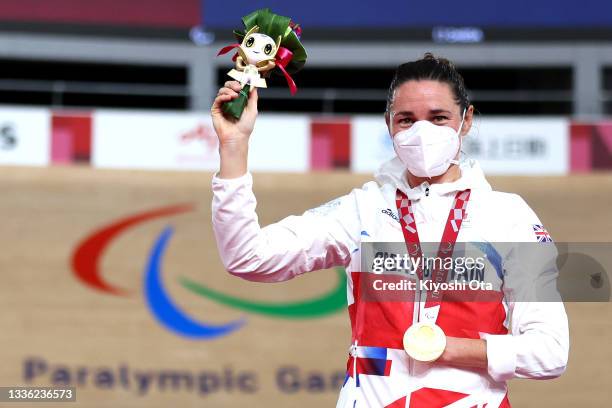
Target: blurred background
111,279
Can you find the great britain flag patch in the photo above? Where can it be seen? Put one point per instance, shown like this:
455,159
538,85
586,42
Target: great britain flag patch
541,234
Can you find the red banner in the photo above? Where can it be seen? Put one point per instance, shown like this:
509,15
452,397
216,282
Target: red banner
144,13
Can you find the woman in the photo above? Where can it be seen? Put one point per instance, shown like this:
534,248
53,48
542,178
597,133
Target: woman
428,114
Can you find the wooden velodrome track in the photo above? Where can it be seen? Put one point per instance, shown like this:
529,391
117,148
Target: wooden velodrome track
47,313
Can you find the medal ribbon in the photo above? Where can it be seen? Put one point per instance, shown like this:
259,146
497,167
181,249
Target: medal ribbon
456,215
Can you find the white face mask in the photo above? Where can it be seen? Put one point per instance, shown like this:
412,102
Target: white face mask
428,150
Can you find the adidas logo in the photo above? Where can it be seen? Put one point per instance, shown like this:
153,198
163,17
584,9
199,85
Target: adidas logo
390,213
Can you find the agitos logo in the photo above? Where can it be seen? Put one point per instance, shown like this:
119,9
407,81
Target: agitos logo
86,267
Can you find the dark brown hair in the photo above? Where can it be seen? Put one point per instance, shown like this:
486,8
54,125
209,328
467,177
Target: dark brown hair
430,68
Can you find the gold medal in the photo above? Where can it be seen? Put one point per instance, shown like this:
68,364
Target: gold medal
424,341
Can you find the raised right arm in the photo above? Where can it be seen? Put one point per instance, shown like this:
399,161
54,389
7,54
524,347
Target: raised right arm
320,238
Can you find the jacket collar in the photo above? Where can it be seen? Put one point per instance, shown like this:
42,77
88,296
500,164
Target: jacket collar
394,172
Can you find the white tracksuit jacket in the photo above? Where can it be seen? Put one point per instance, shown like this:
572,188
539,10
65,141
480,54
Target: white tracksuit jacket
523,339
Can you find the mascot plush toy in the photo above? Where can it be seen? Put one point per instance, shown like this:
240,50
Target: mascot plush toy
269,43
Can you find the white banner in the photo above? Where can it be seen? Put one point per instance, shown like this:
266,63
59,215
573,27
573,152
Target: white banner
370,143
501,145
280,143
25,136
520,145
154,140
187,141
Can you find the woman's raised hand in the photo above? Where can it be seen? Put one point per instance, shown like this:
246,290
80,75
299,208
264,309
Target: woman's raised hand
229,129
233,133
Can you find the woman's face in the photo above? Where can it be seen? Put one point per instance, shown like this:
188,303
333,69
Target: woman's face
426,100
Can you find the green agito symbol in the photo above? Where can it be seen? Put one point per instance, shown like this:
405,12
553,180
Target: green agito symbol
328,303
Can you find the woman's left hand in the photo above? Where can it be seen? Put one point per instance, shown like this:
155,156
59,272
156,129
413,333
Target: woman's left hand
464,352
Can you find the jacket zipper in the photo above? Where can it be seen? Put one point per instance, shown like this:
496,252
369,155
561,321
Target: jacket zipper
415,319
416,311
